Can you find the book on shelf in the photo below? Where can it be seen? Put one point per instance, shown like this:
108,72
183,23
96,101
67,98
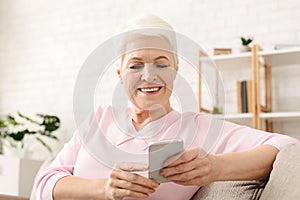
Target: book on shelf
222,51
239,96
244,96
249,95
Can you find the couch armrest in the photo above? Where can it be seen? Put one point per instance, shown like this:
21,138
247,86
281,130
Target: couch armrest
285,177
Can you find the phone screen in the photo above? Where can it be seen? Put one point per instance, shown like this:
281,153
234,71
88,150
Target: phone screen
159,152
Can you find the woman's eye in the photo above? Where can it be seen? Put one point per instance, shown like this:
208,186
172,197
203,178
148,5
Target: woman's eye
161,65
136,66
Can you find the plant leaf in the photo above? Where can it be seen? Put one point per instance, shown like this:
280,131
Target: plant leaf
50,122
44,144
246,41
48,134
17,136
2,124
20,134
28,118
12,121
243,40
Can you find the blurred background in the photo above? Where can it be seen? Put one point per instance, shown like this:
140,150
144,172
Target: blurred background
43,44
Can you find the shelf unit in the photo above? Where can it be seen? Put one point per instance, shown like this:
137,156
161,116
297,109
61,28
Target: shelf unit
252,63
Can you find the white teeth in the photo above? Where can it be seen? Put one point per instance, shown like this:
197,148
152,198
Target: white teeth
149,89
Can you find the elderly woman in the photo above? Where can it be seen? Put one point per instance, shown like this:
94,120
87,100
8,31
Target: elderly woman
147,74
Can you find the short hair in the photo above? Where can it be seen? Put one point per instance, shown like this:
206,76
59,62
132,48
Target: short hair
147,25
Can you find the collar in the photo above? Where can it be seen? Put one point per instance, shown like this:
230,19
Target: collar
151,132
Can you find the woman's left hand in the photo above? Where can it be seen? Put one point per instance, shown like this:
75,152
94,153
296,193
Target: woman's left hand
192,167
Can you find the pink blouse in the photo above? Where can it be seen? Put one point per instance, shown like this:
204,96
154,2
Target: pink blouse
109,137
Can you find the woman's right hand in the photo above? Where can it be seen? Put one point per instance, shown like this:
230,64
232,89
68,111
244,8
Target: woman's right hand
123,182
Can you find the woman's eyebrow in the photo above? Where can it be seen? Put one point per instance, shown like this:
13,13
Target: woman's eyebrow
135,59
161,57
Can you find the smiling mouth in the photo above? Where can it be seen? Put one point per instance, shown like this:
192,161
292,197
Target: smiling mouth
149,89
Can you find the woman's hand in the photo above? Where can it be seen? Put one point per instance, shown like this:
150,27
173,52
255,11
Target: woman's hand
192,167
123,183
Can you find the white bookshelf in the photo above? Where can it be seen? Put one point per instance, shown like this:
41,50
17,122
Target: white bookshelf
247,55
285,65
281,58
284,61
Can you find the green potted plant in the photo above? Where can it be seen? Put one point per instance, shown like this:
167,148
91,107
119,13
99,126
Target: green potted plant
13,131
216,110
246,41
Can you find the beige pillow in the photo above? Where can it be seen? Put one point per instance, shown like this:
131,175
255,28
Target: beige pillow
228,190
285,177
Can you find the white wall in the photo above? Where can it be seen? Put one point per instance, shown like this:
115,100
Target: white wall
44,43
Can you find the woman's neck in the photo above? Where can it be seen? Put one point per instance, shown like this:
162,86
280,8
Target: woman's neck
141,118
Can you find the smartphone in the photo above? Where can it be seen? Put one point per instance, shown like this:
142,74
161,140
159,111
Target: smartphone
159,152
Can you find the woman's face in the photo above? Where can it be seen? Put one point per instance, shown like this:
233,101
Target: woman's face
148,75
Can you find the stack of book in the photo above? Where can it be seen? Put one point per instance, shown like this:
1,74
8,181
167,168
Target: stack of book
222,51
244,96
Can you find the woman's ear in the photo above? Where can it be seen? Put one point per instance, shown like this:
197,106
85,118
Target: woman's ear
120,75
176,67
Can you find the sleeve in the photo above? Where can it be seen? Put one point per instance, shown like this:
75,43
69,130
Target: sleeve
64,163
62,166
234,138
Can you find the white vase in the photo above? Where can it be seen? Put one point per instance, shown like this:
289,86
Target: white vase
17,151
244,48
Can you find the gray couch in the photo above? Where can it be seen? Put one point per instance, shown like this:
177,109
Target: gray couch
283,184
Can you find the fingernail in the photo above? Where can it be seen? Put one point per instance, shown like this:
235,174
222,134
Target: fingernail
154,184
151,190
161,174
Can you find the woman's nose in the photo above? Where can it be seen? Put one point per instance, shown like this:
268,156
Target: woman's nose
149,73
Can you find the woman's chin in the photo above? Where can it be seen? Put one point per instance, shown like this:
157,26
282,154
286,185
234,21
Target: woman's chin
150,106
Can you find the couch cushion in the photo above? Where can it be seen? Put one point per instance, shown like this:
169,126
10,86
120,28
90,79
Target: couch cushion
285,177
242,190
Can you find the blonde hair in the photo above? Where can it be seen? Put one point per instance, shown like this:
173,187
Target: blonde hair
146,21
147,25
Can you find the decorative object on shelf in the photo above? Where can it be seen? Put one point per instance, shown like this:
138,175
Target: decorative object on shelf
216,110
14,131
246,44
222,51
